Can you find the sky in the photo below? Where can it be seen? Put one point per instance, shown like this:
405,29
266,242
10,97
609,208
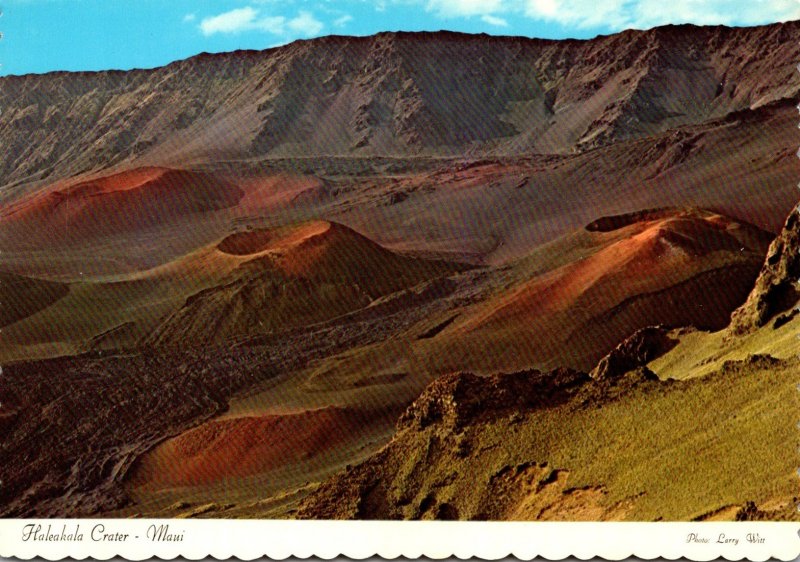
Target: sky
46,35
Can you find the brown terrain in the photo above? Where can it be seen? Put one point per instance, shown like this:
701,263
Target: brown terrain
672,268
299,276
130,201
414,275
465,429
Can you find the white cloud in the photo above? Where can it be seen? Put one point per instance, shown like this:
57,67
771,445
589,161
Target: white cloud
234,21
727,12
612,15
343,20
250,19
602,15
464,8
544,8
494,20
305,25
621,14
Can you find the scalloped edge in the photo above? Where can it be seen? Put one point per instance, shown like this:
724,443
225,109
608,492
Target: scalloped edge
279,540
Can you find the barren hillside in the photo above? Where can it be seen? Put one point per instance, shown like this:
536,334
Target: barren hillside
393,94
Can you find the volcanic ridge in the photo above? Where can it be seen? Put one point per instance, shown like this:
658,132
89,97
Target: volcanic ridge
406,276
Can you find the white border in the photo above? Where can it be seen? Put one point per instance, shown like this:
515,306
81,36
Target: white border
251,539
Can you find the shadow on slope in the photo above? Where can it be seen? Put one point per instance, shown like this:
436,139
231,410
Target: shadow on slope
295,276
24,296
672,267
533,446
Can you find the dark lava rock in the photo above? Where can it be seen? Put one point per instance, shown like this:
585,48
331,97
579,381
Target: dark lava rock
776,288
637,351
459,399
752,363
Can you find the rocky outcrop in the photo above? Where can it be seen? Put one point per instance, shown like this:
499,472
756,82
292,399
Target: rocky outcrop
449,459
432,445
460,399
776,290
637,351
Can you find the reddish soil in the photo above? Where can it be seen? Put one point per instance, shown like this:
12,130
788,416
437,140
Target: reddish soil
274,191
136,180
241,447
244,243
128,201
282,241
656,254
306,273
320,249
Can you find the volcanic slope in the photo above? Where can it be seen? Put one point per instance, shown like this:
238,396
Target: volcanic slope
560,446
294,276
498,210
24,296
96,312
239,447
671,267
567,446
382,95
123,202
571,301
766,325
121,251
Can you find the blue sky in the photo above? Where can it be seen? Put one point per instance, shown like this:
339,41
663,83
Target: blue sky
45,35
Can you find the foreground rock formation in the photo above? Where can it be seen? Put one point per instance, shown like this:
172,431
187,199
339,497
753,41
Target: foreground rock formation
777,288
475,447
